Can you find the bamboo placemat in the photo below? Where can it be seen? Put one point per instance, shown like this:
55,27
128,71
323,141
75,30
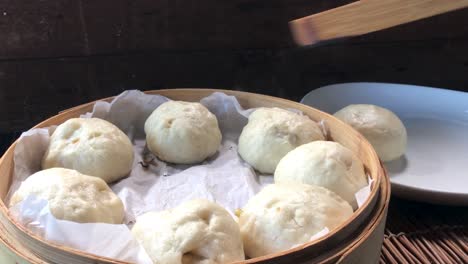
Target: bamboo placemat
424,233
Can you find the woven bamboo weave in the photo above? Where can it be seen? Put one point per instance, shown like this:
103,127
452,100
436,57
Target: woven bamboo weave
423,233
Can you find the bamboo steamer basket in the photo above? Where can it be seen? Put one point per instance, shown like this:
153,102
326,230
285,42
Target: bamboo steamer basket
358,240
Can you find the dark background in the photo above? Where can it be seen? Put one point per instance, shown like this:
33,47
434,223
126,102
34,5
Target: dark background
56,54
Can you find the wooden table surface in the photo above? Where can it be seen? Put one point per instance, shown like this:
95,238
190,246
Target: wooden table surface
60,53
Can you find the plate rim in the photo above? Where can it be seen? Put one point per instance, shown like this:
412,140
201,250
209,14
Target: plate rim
415,193
418,87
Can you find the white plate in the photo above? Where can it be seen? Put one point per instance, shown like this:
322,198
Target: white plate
435,166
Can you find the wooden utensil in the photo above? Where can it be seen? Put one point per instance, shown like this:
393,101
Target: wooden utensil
366,16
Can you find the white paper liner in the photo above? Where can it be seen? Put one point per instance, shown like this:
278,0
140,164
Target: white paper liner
225,178
363,193
92,238
316,236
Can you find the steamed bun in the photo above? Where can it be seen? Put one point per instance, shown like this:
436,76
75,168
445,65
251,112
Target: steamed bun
381,127
327,164
73,196
271,133
182,132
287,214
91,146
195,232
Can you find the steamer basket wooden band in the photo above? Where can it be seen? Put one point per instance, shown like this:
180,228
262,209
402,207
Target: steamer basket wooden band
367,221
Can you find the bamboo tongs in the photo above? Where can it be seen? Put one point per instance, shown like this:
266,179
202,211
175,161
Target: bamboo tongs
366,16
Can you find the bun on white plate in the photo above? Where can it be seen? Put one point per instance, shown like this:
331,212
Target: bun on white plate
380,126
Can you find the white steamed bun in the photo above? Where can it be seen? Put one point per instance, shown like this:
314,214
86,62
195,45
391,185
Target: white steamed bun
73,196
182,132
381,127
195,232
327,164
284,215
91,146
271,133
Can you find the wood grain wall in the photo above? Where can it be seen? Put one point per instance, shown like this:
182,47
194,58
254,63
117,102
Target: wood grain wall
55,54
